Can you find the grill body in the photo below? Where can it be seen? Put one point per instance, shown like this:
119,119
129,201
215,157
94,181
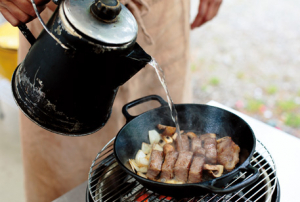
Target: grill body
108,182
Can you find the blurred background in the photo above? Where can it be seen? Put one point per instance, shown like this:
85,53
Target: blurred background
247,58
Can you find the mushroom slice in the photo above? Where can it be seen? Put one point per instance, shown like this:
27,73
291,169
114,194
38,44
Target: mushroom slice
167,139
174,136
191,135
168,130
161,143
168,148
215,170
161,127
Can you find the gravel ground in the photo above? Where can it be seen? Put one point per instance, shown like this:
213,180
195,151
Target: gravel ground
248,58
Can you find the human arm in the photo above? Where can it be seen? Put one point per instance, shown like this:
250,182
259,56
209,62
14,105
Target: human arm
17,12
207,10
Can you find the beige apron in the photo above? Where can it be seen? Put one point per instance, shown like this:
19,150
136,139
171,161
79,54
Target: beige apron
54,164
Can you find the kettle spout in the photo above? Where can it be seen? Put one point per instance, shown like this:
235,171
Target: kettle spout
130,64
139,54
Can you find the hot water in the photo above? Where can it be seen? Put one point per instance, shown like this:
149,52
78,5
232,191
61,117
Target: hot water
161,75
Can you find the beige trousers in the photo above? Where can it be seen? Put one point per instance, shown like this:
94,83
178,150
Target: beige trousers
54,164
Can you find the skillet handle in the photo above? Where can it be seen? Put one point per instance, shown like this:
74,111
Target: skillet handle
218,184
140,101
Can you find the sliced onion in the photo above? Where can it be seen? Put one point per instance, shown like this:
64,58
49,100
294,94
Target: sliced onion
146,148
143,162
143,169
157,147
141,159
172,181
133,165
154,136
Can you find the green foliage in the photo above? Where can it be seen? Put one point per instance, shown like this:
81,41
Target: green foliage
214,81
287,105
292,120
254,105
271,90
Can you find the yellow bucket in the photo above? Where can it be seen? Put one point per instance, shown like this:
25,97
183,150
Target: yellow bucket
9,44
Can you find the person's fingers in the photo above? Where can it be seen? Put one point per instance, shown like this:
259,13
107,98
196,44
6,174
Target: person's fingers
16,12
208,9
212,10
9,17
202,10
20,11
26,7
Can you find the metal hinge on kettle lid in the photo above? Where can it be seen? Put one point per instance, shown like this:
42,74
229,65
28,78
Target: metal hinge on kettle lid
68,81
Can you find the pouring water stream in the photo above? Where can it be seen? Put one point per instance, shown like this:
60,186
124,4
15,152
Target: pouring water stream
161,75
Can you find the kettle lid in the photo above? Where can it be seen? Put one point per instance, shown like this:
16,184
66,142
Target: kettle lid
106,21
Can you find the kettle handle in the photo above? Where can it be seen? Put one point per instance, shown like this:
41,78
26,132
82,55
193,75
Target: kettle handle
29,36
27,33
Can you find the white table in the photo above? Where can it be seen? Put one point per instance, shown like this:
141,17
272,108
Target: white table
283,147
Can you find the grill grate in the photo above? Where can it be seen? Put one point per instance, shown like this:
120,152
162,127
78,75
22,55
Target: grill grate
108,182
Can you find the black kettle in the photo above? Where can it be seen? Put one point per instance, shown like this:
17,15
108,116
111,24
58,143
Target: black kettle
69,79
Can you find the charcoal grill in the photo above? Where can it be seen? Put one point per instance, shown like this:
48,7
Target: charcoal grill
108,182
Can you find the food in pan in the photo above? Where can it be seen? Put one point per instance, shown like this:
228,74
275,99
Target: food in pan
200,157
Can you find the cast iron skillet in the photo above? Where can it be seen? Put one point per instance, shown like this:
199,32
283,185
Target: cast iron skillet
192,117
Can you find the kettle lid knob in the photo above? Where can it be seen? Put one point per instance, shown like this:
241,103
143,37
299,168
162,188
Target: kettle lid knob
106,10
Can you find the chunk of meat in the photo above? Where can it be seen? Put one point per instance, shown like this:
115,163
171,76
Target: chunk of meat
228,153
182,165
196,147
207,135
196,144
210,146
200,152
185,143
167,171
195,173
154,168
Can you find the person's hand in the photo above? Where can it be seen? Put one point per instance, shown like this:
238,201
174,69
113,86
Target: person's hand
207,10
17,12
